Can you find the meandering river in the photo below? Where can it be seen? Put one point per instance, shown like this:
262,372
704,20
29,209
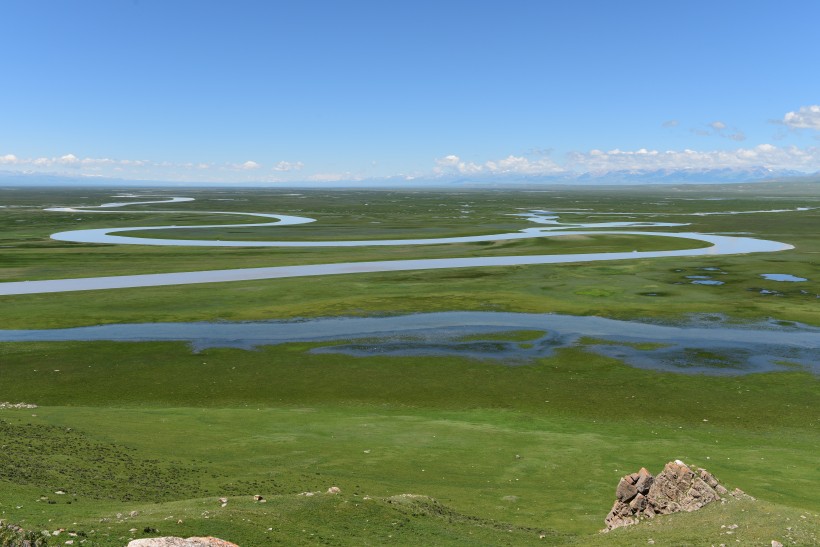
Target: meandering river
548,227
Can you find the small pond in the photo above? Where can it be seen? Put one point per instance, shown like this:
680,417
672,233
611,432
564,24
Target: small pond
782,277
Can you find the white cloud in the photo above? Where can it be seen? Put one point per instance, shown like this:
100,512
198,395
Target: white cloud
519,165
670,123
68,159
807,117
448,161
9,159
248,165
288,166
717,125
600,161
763,155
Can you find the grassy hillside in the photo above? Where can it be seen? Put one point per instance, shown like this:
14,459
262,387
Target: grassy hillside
142,439
156,429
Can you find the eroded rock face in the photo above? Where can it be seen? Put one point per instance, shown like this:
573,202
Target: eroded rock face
170,541
676,488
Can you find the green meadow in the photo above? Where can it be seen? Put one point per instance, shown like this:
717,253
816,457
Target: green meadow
141,439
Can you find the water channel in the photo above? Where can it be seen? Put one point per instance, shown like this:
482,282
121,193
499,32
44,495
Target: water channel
549,227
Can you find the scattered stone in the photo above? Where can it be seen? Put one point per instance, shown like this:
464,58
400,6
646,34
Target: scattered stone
171,541
259,498
16,406
776,543
223,500
133,514
737,493
334,490
676,488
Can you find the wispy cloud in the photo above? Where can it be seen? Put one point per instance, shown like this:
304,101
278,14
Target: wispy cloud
137,168
670,123
763,155
720,129
67,160
807,117
600,161
284,166
510,165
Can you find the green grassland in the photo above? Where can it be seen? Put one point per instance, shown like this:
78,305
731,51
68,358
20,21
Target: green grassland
623,289
143,438
157,429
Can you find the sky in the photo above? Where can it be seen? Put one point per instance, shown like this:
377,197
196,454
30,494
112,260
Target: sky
310,90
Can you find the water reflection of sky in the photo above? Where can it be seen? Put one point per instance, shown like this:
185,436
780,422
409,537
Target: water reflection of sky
706,345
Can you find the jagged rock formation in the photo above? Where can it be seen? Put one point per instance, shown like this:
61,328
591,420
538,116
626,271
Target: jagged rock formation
170,541
676,488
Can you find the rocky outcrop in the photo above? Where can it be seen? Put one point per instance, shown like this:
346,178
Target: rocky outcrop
170,541
676,488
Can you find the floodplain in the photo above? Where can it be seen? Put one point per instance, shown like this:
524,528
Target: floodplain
139,438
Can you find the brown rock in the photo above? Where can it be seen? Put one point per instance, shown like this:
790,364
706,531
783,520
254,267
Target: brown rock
620,515
626,489
708,478
644,482
638,504
676,488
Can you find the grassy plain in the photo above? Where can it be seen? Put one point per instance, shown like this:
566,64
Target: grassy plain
434,451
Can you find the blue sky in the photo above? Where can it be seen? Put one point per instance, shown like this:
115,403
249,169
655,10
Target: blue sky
322,90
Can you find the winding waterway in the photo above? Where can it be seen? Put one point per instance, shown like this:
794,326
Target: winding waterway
550,227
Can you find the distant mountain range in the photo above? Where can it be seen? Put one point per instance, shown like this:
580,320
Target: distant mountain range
690,175
653,176
618,177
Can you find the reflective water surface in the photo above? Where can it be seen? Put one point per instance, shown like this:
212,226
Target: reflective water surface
706,345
